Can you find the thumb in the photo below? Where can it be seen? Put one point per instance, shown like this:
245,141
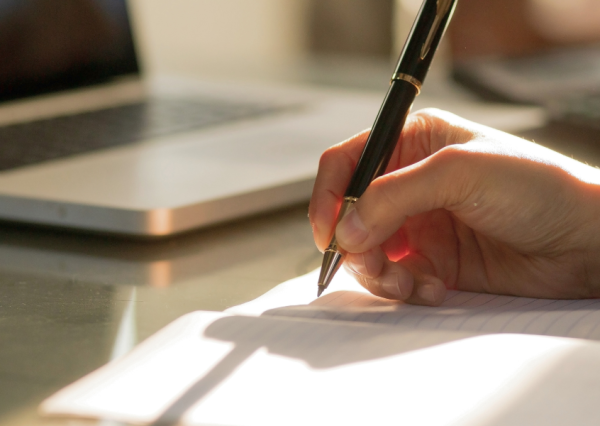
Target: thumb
444,180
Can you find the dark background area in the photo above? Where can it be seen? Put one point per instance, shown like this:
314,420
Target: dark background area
48,45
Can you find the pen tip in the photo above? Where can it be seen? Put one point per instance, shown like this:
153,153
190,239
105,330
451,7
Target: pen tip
332,260
320,291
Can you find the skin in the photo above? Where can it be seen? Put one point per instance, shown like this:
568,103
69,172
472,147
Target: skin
463,206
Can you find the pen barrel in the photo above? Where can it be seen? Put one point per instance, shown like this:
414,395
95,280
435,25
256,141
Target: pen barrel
383,137
415,60
425,35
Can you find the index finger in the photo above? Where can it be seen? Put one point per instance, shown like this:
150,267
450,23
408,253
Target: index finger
335,170
424,133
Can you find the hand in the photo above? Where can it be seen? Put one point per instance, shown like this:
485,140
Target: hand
465,207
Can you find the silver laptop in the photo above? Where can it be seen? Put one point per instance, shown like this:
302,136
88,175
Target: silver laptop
87,143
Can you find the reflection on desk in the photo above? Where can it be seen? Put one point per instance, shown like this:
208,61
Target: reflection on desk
71,302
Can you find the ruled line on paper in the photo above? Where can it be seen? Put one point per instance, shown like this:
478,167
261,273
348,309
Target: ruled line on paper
495,314
573,329
547,325
591,334
464,311
346,300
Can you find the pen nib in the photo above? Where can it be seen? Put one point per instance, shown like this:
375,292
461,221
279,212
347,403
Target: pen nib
321,290
331,263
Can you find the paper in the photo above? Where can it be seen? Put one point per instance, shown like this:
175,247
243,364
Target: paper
481,313
212,369
298,291
299,365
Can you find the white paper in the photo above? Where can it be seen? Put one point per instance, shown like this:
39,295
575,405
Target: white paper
346,300
213,369
298,291
352,358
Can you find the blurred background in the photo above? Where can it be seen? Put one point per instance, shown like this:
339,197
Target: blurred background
532,51
267,39
210,36
542,52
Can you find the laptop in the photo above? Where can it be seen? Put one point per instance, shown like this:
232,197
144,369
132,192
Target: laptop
88,143
563,80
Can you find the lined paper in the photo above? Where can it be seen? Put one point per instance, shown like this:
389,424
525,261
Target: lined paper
209,368
346,300
353,358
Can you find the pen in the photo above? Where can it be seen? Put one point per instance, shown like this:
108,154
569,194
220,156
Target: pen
405,85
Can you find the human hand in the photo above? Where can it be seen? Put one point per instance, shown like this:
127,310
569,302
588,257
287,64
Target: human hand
463,206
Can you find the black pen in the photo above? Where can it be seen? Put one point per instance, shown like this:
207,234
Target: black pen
414,62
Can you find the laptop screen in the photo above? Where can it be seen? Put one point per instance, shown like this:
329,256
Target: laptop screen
49,45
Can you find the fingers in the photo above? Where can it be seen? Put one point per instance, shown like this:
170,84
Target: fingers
335,170
410,280
424,133
447,179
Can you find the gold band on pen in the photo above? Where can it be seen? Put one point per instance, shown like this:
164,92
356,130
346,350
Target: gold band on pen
348,202
408,78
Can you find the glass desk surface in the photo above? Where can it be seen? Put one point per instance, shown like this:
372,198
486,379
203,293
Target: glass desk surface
71,302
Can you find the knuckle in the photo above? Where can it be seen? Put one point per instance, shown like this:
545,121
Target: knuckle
444,128
431,112
360,136
436,118
384,190
336,156
459,172
327,157
344,153
455,156
371,285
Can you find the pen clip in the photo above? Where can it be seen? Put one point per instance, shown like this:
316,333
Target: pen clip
442,9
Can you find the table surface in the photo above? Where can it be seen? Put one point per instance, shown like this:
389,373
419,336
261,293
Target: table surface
70,302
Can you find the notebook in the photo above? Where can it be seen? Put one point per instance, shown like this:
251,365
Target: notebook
352,358
87,142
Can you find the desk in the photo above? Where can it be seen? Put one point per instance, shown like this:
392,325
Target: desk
68,302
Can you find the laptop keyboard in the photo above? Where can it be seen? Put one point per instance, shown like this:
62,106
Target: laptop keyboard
48,139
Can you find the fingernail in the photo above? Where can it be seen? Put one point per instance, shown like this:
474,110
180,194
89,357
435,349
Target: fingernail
351,230
391,285
427,292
